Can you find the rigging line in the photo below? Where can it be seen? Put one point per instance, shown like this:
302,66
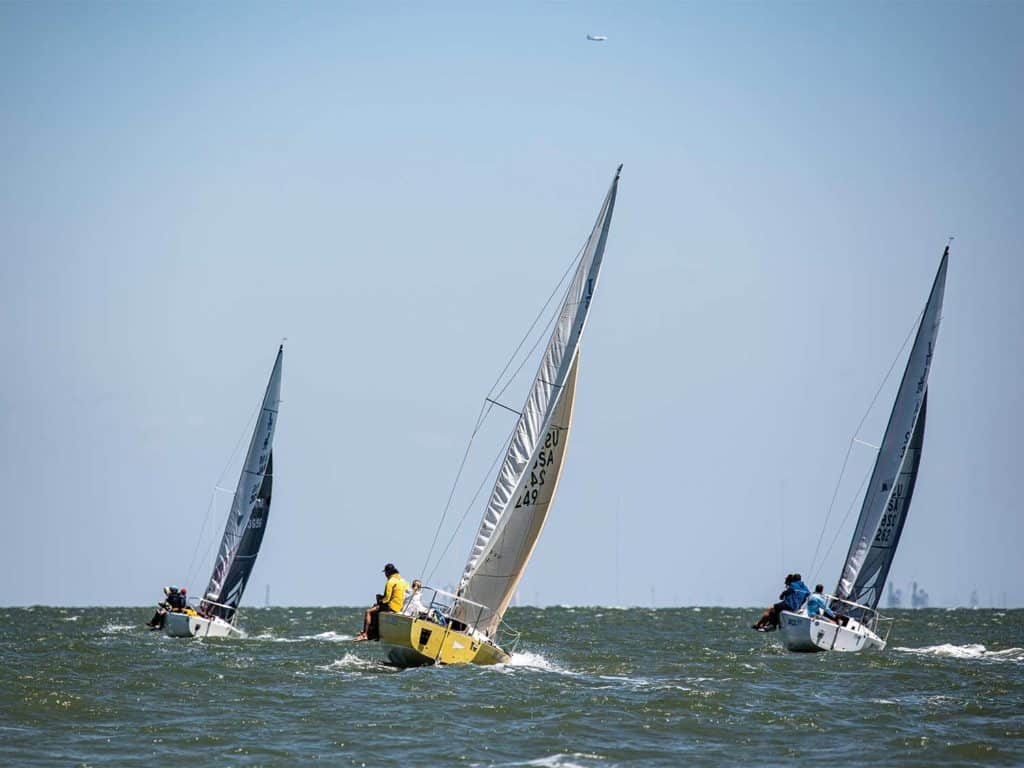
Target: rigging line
469,506
540,337
245,431
485,408
507,408
220,479
206,557
845,518
540,313
853,438
529,355
193,565
465,456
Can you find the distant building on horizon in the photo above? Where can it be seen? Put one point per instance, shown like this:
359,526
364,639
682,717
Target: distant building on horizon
895,596
918,598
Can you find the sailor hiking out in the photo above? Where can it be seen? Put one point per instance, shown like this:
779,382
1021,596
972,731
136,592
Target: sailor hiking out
392,601
791,599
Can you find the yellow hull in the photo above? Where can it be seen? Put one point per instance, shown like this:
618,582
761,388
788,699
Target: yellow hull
418,642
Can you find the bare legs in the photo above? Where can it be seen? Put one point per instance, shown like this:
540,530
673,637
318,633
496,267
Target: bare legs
369,624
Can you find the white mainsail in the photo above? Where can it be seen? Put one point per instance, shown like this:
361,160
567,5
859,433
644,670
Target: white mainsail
526,482
881,518
222,589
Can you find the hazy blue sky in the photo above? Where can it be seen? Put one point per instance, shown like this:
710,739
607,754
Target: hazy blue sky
396,188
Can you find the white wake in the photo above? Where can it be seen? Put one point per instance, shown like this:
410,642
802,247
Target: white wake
322,637
970,651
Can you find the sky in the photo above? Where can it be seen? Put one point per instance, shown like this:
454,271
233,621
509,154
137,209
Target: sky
396,188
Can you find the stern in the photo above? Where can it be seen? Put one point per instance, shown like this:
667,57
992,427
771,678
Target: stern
417,642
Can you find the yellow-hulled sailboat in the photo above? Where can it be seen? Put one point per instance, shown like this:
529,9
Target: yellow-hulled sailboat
466,626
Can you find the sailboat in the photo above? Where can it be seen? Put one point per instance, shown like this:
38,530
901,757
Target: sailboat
214,615
464,626
883,511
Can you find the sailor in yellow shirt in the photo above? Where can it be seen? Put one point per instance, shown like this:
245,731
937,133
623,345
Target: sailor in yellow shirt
390,602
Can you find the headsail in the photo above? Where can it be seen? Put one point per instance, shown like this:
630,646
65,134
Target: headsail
526,483
887,499
867,589
250,509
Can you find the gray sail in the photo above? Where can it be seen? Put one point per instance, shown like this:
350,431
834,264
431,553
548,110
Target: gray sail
867,564
248,548
518,505
250,509
867,589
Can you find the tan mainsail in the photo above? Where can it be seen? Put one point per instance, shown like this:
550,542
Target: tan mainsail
519,502
511,548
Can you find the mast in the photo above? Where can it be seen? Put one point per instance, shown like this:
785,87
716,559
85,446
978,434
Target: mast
250,509
887,499
518,505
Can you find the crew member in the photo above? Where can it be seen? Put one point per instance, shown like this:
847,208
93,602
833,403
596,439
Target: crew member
818,605
174,601
414,605
791,598
390,602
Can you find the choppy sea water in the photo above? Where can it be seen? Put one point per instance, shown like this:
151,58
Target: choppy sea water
589,687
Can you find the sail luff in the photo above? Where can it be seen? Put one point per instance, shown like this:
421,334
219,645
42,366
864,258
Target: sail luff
491,574
251,503
899,432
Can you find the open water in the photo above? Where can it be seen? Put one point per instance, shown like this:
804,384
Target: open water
589,687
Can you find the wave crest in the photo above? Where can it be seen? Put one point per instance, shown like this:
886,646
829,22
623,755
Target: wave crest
111,628
969,651
322,637
350,662
530,660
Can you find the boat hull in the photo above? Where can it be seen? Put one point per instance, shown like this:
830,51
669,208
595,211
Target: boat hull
802,633
193,625
417,642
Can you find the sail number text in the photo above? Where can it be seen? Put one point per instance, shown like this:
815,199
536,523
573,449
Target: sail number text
538,474
887,525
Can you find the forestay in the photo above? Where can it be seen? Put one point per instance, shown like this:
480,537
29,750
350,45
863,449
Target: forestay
526,483
250,509
887,499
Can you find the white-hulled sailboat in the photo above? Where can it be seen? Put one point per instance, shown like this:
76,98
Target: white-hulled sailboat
214,615
464,627
883,512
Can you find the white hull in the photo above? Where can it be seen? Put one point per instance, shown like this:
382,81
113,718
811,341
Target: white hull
183,625
801,632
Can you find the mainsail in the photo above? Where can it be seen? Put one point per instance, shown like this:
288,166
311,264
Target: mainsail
887,499
526,483
250,509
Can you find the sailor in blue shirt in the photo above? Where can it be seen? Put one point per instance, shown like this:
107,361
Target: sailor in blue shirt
817,604
791,599
795,595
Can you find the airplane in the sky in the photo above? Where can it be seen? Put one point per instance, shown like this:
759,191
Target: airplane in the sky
597,38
